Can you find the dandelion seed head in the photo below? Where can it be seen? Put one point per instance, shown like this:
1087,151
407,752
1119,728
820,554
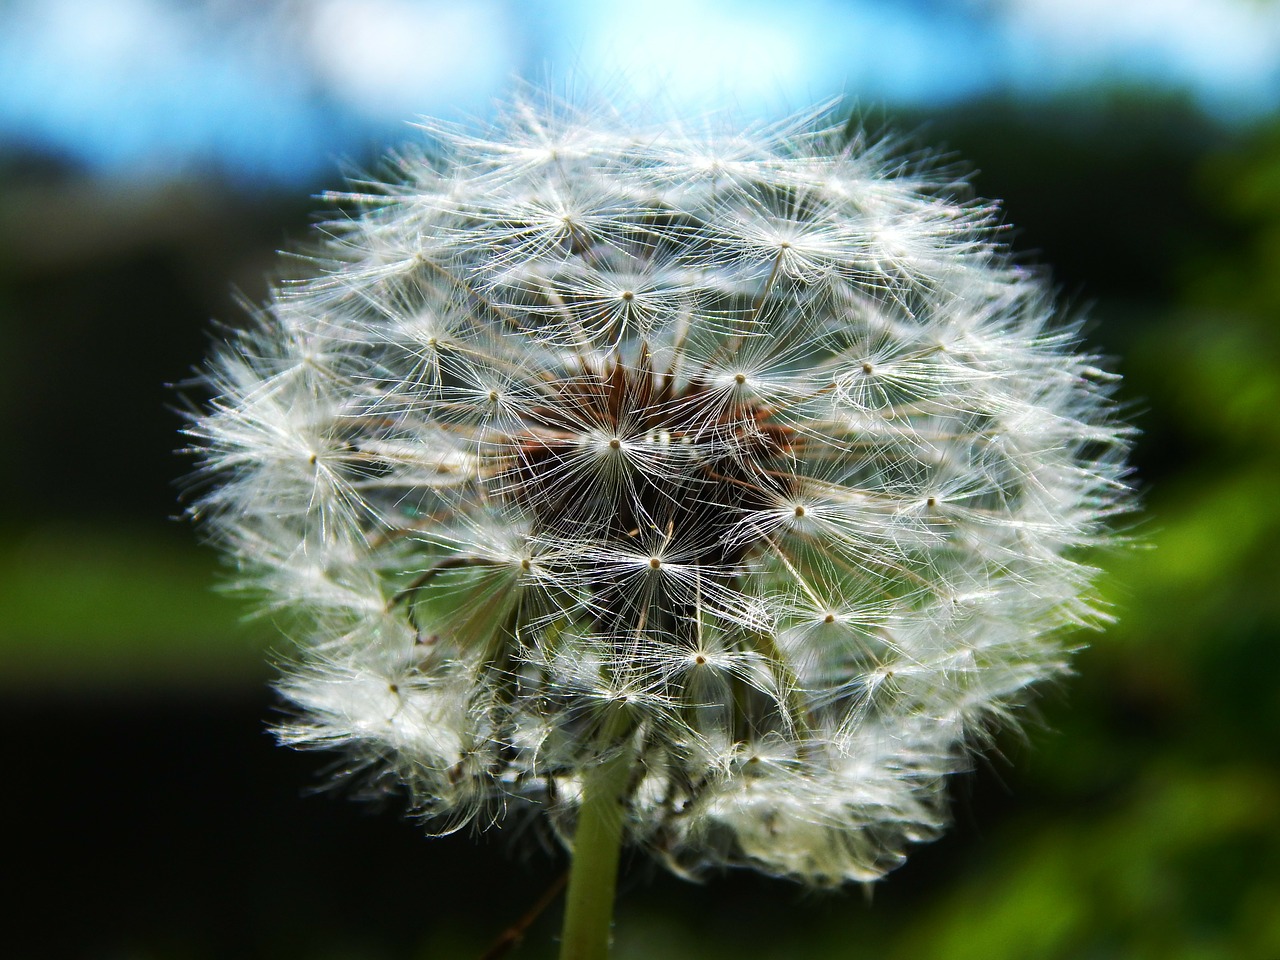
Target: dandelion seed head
750,453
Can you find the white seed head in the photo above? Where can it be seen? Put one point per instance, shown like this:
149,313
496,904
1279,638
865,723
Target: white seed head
756,447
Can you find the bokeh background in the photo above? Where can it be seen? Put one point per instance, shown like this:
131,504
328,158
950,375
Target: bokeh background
153,156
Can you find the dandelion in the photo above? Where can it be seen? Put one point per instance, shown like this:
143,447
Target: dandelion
714,494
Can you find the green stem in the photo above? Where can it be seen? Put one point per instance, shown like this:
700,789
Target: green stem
593,877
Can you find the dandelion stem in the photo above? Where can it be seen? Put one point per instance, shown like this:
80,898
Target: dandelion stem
593,877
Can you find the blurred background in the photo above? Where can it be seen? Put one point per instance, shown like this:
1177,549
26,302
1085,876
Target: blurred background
154,154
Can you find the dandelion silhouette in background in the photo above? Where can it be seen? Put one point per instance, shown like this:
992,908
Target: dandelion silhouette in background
716,493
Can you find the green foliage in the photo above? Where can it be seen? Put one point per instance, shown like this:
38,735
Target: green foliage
108,606
1142,818
1164,840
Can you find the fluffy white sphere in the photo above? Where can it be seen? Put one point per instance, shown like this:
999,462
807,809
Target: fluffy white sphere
751,455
